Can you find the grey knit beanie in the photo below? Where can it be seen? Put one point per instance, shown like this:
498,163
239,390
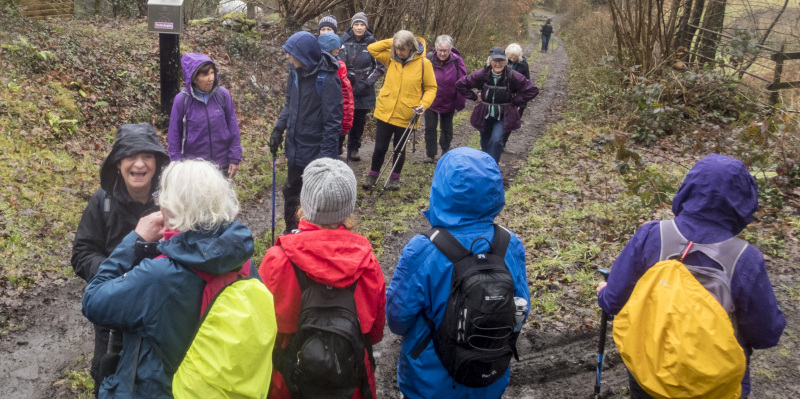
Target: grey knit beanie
359,17
328,195
329,21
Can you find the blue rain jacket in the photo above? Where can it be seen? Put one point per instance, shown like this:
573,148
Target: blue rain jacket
159,300
466,195
716,201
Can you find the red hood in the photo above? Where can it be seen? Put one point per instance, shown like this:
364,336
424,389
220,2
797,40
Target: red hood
334,257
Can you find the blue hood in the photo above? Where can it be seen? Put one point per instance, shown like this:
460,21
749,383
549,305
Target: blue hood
304,47
718,191
214,252
467,188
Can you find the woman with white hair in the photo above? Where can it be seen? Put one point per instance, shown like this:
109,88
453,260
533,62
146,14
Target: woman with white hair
409,88
517,63
448,68
156,302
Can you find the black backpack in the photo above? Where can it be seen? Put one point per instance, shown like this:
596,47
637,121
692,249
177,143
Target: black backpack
325,358
476,338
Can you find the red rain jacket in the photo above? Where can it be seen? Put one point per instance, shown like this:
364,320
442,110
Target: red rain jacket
347,98
336,257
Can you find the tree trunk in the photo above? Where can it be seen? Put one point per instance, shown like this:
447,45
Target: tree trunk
713,21
251,11
694,20
683,29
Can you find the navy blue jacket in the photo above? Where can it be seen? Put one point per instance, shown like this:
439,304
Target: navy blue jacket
362,70
159,300
716,201
466,195
312,121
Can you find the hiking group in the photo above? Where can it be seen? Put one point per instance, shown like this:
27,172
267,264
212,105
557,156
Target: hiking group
180,309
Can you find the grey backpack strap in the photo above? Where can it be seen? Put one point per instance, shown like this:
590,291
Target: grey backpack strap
725,253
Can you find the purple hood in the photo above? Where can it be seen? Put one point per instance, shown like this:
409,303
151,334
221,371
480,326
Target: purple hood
190,62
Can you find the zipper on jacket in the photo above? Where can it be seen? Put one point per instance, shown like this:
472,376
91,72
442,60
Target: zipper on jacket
210,145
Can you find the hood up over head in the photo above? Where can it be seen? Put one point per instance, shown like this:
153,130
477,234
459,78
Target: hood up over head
467,188
131,140
718,190
190,62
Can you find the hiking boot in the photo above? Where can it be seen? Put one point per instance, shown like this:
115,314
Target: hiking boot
393,184
428,160
369,182
354,155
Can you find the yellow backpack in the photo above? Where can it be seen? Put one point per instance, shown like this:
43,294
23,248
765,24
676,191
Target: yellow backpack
675,333
231,354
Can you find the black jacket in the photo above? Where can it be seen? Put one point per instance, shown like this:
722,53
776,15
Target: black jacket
546,30
521,66
362,70
111,213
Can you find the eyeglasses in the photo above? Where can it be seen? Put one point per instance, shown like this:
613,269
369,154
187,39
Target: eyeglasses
443,51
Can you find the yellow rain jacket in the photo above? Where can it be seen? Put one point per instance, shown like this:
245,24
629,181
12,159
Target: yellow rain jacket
403,85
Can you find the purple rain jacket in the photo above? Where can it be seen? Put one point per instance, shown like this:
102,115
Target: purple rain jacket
448,99
519,92
716,201
212,130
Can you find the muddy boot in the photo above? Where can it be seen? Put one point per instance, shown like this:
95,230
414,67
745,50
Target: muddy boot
393,185
354,155
369,182
428,160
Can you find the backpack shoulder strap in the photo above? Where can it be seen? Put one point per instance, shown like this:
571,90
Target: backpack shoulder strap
186,98
321,76
725,253
501,240
447,244
221,100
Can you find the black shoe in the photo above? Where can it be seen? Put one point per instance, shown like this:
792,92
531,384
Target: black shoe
428,160
354,155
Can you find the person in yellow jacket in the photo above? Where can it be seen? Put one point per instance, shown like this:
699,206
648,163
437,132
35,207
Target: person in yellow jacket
409,87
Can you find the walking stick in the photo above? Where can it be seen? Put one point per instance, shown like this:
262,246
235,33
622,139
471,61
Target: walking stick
601,347
273,199
401,145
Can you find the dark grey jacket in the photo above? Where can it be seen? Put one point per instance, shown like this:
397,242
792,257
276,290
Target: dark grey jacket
362,70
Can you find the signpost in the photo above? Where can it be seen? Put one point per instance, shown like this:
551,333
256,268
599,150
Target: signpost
165,17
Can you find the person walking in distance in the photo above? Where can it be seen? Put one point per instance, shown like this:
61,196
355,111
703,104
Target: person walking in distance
311,115
363,71
546,31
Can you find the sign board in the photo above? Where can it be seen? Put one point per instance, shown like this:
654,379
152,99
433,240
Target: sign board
165,16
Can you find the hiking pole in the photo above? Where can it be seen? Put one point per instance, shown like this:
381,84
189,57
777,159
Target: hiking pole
346,151
601,347
273,199
401,147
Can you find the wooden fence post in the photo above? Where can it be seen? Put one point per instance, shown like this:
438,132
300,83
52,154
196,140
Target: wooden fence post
774,97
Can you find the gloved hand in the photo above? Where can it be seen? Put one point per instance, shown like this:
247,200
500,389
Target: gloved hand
275,141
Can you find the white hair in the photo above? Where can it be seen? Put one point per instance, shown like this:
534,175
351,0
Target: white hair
443,39
514,50
196,196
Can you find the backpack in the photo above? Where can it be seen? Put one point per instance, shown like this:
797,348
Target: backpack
231,353
476,338
325,357
675,333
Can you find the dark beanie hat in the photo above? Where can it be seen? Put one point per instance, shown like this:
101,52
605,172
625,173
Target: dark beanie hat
329,21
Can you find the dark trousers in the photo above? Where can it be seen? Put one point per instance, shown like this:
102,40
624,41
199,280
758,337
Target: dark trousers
445,121
291,195
359,120
492,138
384,133
101,338
545,42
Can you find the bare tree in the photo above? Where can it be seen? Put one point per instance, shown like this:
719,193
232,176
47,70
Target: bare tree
297,12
